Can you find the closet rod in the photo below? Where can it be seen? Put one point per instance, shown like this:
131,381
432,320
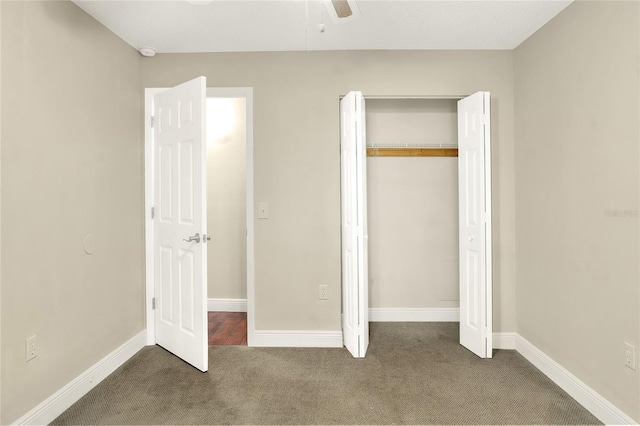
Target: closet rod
412,152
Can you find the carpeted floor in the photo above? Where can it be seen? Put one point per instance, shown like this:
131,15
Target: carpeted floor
414,373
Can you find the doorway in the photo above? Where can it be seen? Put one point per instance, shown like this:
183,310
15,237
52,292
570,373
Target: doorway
226,219
247,304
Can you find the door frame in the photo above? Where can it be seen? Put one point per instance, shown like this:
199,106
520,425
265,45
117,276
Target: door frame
488,193
221,92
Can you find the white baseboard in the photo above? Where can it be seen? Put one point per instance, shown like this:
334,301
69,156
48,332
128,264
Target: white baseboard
604,410
504,340
56,404
414,314
227,305
296,339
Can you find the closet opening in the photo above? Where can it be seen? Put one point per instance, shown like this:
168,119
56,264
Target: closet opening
416,215
412,207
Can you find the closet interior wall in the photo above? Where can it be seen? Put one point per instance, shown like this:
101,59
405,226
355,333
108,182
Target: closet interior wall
412,205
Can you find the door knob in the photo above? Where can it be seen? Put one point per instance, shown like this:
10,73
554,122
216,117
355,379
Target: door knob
193,238
470,239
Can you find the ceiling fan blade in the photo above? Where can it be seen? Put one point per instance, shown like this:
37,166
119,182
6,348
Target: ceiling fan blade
342,7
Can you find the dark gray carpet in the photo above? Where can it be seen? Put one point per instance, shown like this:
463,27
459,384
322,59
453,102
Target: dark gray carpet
414,373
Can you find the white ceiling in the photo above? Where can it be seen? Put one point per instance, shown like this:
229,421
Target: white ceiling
270,25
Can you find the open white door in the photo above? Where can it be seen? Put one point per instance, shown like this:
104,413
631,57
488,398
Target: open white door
474,185
353,179
180,227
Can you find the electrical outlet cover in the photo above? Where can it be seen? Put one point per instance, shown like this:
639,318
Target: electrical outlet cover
30,348
630,356
323,292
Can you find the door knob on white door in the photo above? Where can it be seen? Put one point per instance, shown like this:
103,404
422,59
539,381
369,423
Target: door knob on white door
193,238
470,239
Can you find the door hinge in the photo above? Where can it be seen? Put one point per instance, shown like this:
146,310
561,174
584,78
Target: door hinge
153,120
153,212
153,303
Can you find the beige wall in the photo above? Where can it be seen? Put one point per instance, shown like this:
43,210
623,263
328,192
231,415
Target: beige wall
226,198
71,166
412,206
577,133
297,160
412,122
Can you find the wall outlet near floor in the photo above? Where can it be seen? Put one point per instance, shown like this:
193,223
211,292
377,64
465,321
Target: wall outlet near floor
323,292
630,356
30,347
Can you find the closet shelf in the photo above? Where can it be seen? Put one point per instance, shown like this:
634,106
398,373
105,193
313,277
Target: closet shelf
412,152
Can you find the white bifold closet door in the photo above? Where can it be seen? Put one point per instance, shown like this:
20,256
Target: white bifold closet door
180,251
474,187
353,179
474,182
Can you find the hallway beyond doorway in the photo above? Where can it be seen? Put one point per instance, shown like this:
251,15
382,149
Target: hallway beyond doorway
228,328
